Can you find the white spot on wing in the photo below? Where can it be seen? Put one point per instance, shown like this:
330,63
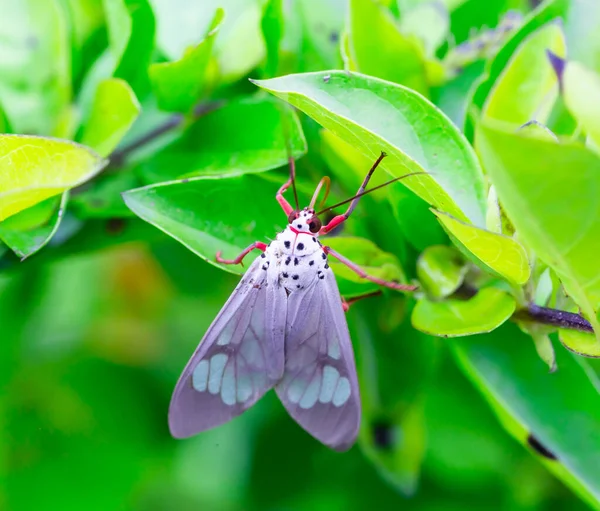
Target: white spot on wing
333,348
228,385
311,393
226,334
330,379
295,390
244,387
250,350
217,366
342,392
200,376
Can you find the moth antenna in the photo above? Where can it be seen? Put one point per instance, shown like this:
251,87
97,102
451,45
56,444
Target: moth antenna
324,181
370,190
288,148
292,163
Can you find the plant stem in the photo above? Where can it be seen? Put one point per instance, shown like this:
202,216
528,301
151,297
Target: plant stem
554,317
118,157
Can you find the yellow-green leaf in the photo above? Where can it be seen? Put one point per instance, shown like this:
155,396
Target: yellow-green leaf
35,168
581,343
501,254
527,87
114,110
487,310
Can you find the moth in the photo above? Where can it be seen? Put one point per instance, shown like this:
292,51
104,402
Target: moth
283,327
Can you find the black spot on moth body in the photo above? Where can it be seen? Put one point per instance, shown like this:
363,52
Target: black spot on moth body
311,263
287,244
326,266
295,277
285,275
300,246
296,261
263,255
324,256
287,261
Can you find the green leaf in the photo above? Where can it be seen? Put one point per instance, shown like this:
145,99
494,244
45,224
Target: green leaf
238,49
35,168
526,88
547,12
429,23
528,400
394,377
179,85
369,257
581,92
530,175
130,26
215,223
501,254
35,64
273,26
374,115
581,343
246,135
486,311
114,110
379,48
31,229
441,270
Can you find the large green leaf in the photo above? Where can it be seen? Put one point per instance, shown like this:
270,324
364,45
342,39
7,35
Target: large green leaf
217,223
31,229
246,135
114,110
35,168
374,115
527,87
35,64
487,310
501,254
530,175
179,84
560,410
379,48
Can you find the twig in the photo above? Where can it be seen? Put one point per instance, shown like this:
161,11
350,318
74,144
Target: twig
118,157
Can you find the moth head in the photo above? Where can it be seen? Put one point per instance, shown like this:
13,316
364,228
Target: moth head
305,220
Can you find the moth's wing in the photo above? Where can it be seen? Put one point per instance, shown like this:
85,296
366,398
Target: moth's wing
237,361
319,387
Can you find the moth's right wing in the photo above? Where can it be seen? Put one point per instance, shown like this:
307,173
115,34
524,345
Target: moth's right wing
319,387
237,361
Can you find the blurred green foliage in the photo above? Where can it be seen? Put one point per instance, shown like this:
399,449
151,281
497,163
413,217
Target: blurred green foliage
105,290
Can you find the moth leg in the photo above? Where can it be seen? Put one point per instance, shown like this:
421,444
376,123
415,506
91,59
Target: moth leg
339,219
347,303
238,260
361,273
285,205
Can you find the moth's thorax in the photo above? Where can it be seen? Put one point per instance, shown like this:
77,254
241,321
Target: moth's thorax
296,259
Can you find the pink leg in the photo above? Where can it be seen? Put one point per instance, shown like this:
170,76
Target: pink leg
339,219
361,273
285,205
238,260
347,303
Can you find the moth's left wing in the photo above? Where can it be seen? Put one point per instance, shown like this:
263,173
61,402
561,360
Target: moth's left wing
319,387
